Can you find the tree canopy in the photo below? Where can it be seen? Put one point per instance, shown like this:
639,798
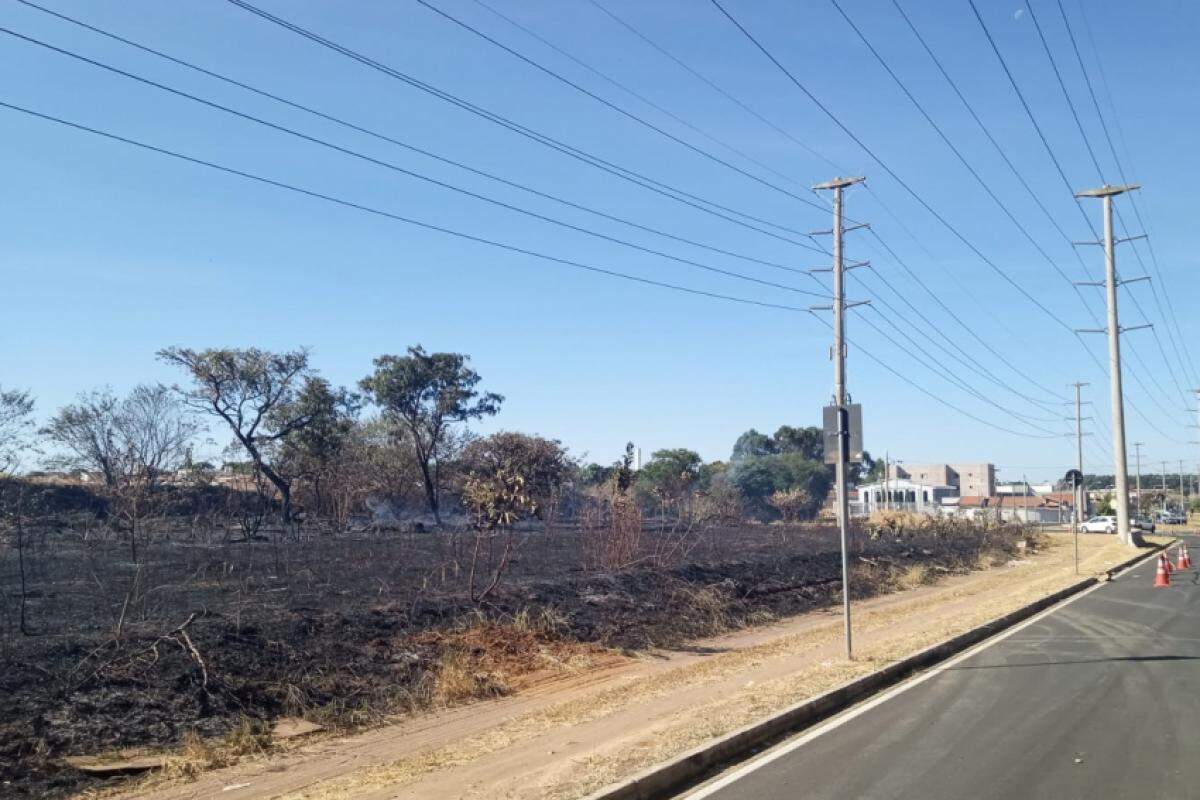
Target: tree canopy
421,395
256,393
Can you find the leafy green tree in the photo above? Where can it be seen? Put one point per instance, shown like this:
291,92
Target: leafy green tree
759,478
249,389
753,444
492,463
314,451
511,477
422,395
812,476
670,473
594,474
623,475
863,471
809,442
711,474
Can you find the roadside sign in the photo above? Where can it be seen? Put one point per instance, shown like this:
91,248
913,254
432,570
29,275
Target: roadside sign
829,426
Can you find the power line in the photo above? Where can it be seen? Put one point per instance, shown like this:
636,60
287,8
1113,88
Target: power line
1100,172
632,176
883,165
1062,175
390,215
1173,329
1012,167
261,179
611,105
914,194
274,97
1129,158
982,126
407,145
936,397
948,375
636,94
964,359
971,330
410,173
954,149
714,86
946,139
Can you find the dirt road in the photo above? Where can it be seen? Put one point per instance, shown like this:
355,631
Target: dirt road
575,731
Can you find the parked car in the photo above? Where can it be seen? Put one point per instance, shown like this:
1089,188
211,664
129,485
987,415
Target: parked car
1171,518
1101,524
1143,524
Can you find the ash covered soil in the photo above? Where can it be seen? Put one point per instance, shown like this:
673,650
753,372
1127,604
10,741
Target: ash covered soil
348,633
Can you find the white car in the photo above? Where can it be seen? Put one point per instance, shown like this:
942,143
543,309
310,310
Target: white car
1100,525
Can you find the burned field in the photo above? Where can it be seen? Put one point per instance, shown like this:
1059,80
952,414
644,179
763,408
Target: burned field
202,635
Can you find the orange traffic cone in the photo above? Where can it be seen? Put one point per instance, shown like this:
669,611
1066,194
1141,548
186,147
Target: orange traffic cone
1162,578
1185,561
1167,562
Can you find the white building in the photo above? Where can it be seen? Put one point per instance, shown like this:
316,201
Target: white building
900,494
967,479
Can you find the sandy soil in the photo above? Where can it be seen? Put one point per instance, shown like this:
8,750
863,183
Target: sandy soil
576,730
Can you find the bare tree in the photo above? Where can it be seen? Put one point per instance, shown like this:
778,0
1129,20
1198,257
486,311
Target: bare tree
135,439
132,442
16,410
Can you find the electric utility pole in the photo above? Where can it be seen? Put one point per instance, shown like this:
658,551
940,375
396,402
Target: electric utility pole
1186,511
1164,486
1080,492
839,386
887,482
1137,449
1125,532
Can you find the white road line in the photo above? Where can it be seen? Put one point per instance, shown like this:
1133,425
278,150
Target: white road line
782,749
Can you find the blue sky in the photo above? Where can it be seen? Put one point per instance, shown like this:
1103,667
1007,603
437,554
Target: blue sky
111,253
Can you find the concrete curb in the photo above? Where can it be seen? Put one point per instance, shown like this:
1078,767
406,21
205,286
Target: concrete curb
684,770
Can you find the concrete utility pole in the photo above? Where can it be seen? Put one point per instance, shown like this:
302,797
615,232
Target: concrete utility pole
1164,486
887,480
1137,449
1080,492
1125,532
839,388
1186,511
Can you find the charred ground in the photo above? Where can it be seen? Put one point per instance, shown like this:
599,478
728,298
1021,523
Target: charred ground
204,634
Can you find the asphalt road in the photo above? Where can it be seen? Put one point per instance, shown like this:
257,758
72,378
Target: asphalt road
1098,699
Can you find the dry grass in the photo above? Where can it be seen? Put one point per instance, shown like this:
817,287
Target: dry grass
915,576
889,638
249,738
460,680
